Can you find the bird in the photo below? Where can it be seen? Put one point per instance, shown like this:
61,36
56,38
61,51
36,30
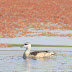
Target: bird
35,54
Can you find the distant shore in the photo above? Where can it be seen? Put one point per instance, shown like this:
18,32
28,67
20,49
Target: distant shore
33,45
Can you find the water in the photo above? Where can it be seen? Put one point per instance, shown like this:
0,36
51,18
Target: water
11,60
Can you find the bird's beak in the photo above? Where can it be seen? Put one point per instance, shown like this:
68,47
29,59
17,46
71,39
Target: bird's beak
22,46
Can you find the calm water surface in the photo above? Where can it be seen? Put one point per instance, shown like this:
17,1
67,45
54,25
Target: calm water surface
11,60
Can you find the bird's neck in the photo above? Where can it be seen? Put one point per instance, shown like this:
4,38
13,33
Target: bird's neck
27,52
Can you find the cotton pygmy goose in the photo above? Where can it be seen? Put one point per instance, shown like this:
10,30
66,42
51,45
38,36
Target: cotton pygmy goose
35,54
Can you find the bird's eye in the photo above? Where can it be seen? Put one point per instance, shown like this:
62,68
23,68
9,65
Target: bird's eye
25,44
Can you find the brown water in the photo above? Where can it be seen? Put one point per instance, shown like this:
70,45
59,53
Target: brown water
12,60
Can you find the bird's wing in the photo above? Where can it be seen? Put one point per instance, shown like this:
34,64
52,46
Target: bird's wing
36,52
